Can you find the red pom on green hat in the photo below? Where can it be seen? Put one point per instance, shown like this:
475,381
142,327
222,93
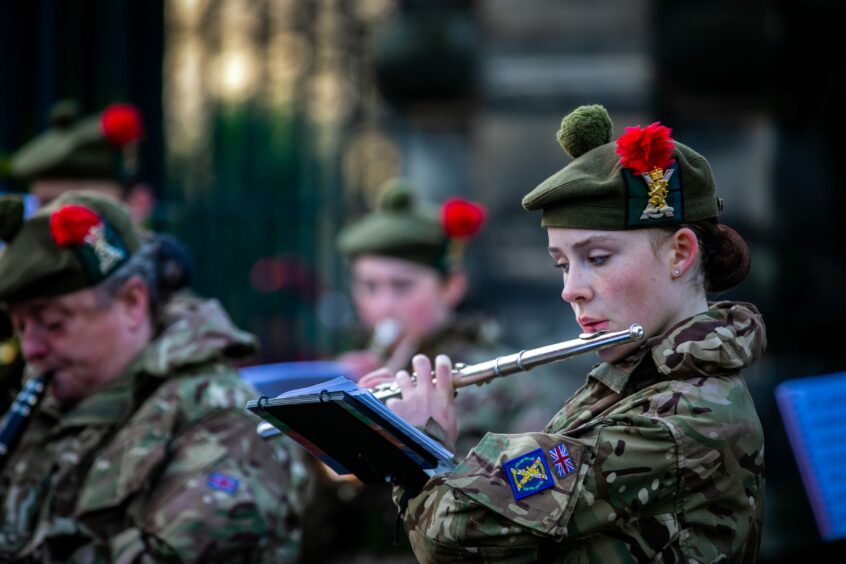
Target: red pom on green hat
121,124
462,218
70,225
643,149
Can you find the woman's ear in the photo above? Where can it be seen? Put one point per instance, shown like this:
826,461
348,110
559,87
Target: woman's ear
455,288
684,248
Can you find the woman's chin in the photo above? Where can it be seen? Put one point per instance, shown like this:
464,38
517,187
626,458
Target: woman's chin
613,354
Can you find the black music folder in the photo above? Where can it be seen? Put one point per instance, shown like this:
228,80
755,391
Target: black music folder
354,433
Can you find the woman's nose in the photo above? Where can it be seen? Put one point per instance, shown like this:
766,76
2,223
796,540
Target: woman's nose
576,286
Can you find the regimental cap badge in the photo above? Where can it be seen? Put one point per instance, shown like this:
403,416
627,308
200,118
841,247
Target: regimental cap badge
646,154
98,247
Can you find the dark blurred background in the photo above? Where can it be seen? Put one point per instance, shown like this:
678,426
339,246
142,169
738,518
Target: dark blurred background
270,122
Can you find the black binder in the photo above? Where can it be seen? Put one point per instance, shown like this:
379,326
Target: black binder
354,433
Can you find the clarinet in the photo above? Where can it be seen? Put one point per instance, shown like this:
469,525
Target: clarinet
15,420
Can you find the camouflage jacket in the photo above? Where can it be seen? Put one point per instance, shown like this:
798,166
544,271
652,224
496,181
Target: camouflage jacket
658,457
163,464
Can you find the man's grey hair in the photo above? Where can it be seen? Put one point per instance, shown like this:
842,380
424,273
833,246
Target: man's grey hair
141,265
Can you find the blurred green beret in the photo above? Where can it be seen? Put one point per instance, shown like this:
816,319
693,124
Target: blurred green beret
73,243
643,179
401,227
97,147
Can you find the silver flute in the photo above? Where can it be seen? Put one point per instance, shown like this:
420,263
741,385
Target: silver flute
478,374
483,372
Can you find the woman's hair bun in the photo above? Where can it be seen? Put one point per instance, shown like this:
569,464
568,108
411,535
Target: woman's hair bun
729,261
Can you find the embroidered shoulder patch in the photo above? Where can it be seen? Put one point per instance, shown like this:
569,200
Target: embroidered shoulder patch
528,474
561,460
223,482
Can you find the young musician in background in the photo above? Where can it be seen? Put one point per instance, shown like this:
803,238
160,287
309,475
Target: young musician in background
408,281
659,456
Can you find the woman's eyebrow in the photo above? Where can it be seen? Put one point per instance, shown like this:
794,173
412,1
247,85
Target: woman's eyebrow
596,239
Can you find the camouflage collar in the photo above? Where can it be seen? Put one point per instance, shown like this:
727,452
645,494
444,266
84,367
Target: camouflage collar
195,332
729,336
617,375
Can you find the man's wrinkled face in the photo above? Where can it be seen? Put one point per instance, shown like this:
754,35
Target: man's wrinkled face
75,336
391,288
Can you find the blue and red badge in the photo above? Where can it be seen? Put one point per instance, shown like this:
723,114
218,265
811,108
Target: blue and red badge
528,474
223,482
562,461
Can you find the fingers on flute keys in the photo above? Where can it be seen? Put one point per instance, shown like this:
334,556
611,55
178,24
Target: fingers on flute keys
423,369
443,374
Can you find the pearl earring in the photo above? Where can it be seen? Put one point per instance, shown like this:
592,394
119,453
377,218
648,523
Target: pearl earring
676,273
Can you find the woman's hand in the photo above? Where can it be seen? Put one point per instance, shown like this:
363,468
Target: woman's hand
423,399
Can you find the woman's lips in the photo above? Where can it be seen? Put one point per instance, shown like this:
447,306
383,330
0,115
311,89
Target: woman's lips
592,326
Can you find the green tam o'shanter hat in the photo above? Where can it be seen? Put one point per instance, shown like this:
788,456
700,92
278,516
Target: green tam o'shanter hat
404,228
643,179
98,147
73,243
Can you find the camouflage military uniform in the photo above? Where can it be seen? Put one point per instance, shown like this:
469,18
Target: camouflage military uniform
162,464
656,458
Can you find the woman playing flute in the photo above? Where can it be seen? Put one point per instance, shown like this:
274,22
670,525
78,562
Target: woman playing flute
659,456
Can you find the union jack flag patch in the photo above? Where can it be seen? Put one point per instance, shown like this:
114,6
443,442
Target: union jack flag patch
561,460
223,482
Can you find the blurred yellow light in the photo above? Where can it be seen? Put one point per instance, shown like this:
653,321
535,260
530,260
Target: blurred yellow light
186,13
331,98
236,71
370,159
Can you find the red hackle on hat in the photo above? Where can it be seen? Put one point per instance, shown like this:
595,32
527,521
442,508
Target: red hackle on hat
121,124
461,218
70,225
643,149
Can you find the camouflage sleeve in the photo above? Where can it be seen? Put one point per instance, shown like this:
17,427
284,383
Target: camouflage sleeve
537,495
222,495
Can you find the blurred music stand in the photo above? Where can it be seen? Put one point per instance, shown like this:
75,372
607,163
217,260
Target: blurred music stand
813,411
273,379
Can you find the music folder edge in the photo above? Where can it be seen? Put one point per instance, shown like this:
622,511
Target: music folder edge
352,432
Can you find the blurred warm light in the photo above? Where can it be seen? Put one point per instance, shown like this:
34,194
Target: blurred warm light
235,73
371,158
283,10
183,95
288,56
374,11
186,13
331,98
